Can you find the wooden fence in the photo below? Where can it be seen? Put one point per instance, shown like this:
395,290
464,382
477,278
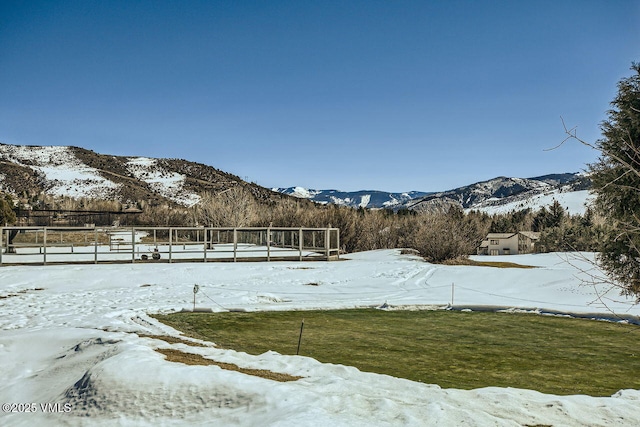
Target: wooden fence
66,245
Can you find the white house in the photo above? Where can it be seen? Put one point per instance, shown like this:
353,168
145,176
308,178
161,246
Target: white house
522,242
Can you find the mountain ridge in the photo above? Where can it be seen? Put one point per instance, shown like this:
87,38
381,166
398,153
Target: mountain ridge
489,195
78,172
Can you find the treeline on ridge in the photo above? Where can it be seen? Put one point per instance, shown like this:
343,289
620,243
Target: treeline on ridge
438,236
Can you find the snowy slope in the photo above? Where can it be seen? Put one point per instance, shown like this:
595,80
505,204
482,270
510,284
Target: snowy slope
63,173
574,202
168,184
68,335
76,172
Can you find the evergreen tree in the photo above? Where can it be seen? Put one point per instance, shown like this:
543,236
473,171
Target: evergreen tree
556,215
540,220
616,182
7,216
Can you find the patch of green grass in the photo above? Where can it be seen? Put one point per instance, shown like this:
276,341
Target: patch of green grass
452,349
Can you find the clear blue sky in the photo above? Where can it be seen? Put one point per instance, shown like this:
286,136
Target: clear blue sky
391,95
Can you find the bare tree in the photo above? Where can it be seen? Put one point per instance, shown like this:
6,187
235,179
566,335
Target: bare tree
234,207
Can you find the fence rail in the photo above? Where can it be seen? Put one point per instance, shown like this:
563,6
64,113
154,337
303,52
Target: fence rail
65,245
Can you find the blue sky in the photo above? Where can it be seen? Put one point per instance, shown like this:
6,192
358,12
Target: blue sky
389,95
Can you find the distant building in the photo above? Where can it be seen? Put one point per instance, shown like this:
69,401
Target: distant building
522,242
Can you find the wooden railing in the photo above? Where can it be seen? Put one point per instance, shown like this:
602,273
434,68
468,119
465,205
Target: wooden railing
46,245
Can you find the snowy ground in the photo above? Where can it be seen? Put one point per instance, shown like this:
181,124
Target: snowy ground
102,253
68,337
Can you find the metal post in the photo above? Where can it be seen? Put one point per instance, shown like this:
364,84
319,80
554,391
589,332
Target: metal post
300,240
1,233
170,245
44,256
452,291
133,245
235,244
95,246
300,337
268,244
327,247
204,245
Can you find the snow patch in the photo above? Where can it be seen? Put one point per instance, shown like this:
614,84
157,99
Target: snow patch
168,184
64,173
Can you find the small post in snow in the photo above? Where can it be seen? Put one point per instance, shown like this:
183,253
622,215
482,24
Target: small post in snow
196,288
300,337
452,292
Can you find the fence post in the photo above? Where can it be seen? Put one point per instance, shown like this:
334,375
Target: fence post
170,244
133,245
300,241
204,243
44,240
327,245
95,246
1,233
268,243
235,244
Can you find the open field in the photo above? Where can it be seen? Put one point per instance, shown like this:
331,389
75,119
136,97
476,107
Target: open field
452,349
82,336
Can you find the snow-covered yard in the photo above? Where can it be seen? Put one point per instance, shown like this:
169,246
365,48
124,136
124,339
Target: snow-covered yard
68,336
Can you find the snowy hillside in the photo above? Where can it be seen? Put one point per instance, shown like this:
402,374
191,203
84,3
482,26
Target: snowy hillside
75,337
574,202
168,184
61,172
77,173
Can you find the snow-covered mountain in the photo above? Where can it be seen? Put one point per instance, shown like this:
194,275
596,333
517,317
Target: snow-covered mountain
363,198
504,194
497,195
76,172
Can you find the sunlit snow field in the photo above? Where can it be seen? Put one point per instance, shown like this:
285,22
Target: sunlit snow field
68,335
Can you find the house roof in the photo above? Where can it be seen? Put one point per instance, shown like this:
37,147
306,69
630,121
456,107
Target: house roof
533,235
500,235
530,234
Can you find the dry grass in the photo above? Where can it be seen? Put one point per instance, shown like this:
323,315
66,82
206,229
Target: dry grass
173,340
57,237
195,359
496,264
